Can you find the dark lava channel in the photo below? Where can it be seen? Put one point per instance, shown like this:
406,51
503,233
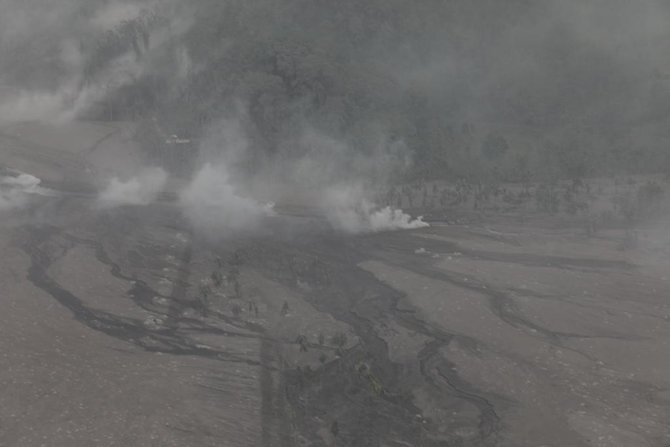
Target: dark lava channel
364,396
364,391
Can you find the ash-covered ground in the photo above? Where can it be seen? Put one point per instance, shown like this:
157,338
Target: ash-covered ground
125,327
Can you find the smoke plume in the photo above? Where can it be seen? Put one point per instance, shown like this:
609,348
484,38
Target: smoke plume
15,190
347,209
215,207
140,190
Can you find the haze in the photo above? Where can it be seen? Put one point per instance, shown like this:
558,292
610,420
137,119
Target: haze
348,223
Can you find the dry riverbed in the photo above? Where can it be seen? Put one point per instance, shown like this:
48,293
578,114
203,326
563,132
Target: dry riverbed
124,328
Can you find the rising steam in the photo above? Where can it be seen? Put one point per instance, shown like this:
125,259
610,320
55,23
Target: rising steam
347,209
15,190
214,206
140,190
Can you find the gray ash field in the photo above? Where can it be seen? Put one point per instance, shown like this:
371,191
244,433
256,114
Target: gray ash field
353,223
124,327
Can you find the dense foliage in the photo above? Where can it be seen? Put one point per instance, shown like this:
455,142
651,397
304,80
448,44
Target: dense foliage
473,89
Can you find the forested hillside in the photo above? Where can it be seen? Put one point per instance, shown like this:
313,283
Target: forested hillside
512,90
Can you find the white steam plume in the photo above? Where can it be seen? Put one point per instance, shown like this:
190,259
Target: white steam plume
16,188
140,190
347,209
14,191
214,206
12,200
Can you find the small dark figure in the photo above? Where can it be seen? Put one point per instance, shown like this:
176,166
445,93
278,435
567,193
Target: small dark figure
237,310
203,305
237,258
205,290
284,309
203,300
302,341
339,339
217,279
335,428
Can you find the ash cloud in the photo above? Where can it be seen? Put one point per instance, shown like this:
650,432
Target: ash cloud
347,209
215,207
15,190
60,61
319,174
295,99
142,189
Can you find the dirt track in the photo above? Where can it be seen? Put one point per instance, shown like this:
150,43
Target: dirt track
123,328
